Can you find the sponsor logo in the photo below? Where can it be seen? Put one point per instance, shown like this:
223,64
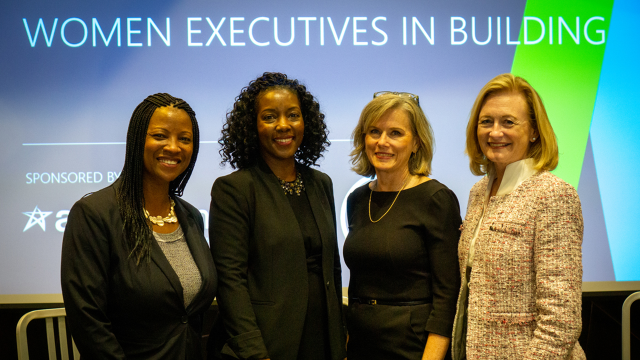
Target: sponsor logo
36,216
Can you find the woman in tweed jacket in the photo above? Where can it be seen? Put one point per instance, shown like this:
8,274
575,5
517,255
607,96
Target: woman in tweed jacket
520,249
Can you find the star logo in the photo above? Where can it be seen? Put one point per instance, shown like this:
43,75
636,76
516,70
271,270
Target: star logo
36,217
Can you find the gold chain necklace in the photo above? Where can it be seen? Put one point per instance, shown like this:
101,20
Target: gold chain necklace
159,220
394,201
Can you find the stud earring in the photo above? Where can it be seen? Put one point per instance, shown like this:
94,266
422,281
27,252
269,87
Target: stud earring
533,139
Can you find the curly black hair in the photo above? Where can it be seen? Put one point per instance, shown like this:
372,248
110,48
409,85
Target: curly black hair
239,139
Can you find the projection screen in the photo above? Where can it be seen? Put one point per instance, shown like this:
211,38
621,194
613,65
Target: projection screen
72,73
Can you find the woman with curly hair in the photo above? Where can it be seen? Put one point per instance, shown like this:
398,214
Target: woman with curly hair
273,230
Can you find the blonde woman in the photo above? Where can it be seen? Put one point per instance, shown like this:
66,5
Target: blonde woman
521,244
403,236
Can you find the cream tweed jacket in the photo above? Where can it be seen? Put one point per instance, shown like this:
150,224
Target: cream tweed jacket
525,293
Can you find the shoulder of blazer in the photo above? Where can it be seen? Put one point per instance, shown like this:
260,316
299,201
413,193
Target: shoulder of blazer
101,201
241,178
551,191
481,185
478,189
316,176
549,181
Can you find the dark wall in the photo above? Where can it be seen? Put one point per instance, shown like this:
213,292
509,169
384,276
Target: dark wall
36,332
601,336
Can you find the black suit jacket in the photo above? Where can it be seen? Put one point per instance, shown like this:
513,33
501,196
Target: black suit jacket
117,309
259,251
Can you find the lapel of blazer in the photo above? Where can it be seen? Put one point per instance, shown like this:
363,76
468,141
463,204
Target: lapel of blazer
321,209
158,257
275,193
283,213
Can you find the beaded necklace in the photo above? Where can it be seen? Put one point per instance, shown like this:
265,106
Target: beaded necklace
294,187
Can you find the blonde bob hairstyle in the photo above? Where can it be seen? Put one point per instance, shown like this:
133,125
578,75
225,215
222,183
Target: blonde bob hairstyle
544,150
420,161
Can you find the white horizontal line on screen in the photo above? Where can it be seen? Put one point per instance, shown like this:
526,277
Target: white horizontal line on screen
123,143
73,144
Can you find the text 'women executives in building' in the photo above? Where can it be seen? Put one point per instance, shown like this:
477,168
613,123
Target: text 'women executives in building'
403,237
520,249
273,231
137,275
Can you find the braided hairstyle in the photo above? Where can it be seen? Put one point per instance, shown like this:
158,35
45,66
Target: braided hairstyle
137,228
239,139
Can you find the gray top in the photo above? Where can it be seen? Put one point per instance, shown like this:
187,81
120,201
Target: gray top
175,248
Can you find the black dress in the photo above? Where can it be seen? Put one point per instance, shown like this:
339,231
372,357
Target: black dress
314,344
406,264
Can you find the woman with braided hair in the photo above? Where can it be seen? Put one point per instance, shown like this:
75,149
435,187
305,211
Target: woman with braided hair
273,230
137,275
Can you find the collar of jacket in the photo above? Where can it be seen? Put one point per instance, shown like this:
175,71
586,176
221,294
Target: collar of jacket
514,175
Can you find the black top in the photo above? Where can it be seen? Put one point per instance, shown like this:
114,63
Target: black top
409,255
308,227
314,343
117,309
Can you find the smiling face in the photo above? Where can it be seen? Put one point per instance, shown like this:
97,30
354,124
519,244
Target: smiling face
168,146
280,125
504,129
389,143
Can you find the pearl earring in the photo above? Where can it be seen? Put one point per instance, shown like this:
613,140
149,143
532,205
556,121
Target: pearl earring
533,139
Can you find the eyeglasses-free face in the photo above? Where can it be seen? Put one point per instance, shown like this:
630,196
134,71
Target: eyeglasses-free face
280,125
504,129
389,143
168,146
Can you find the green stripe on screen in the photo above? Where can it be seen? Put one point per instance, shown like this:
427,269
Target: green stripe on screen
566,76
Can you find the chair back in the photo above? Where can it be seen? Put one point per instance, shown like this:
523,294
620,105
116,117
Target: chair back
626,325
49,315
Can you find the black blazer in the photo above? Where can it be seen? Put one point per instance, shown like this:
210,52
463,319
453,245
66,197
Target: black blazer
117,309
259,251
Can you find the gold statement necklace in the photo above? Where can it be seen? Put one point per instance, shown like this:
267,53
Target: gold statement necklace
293,187
159,220
394,201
